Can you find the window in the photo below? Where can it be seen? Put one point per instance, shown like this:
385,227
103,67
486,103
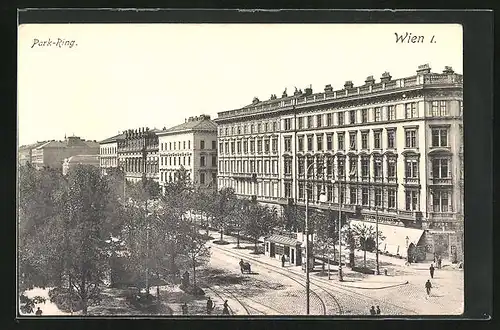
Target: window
288,124
301,122
232,130
221,147
439,137
309,121
364,140
364,196
340,137
214,145
266,127
411,168
341,167
301,165
391,168
378,197
391,112
245,146
411,200
301,191
275,126
364,115
238,147
461,110
189,161
341,118
202,178
227,131
319,121
377,167
252,126
275,145
353,168
319,142
390,139
259,146
184,145
440,168
352,116
391,202
202,144
259,128
329,166
175,161
376,140
411,110
288,165
202,161
353,197
440,201
189,144
364,167
329,120
378,114
214,160
329,140
352,141
443,110
214,177
309,143
411,138
266,146
288,190
300,142
435,108
233,144
288,144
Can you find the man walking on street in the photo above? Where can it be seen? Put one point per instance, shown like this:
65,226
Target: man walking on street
431,270
38,312
428,287
283,259
225,310
210,306
378,310
372,310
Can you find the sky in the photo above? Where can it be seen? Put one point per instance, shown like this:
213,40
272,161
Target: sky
125,76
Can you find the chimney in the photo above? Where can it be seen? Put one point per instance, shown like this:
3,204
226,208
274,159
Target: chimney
423,69
369,80
255,100
328,89
386,77
308,91
348,84
448,70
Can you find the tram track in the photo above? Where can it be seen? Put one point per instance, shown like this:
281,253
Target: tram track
287,275
322,285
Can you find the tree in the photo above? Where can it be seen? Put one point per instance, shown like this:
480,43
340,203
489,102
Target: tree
239,218
196,249
261,221
293,218
84,246
224,205
365,236
324,242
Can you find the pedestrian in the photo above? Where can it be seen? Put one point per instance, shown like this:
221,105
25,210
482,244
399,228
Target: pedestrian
385,272
225,310
38,312
431,270
283,259
210,306
439,262
184,309
428,287
372,311
378,310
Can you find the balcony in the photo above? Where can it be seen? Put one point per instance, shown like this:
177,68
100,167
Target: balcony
441,181
406,214
412,181
438,216
392,180
378,179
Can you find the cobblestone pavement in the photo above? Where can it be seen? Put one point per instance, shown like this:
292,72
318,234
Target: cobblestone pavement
400,293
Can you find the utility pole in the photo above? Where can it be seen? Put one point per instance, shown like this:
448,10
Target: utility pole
376,247
341,277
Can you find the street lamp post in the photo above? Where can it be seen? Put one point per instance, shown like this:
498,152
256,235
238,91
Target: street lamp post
306,231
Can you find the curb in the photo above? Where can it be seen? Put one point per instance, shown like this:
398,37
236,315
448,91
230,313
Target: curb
377,288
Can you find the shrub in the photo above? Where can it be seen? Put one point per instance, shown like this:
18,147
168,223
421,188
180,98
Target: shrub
193,290
363,270
63,300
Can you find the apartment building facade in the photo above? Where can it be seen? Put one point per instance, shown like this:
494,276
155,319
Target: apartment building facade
108,153
391,149
192,146
138,154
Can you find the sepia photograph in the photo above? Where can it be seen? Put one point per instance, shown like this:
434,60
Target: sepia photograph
224,170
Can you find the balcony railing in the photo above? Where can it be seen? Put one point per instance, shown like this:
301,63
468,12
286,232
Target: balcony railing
441,181
411,180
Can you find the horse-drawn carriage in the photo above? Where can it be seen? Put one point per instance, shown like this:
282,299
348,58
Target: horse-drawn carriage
245,267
